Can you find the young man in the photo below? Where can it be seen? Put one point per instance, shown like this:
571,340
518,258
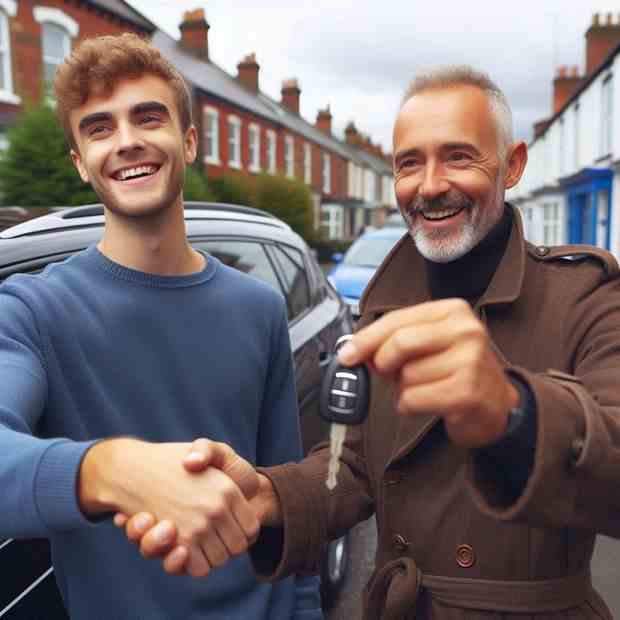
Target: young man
490,453
136,341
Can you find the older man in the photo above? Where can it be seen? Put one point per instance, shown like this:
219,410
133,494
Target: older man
490,454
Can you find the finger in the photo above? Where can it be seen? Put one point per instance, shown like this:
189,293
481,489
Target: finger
409,343
433,367
120,520
138,525
441,398
175,563
199,456
365,342
158,540
214,549
197,564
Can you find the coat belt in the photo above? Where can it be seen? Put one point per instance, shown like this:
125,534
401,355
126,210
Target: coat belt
394,590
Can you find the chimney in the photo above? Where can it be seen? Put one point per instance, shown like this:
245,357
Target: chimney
247,72
195,33
324,121
290,95
566,82
601,39
352,136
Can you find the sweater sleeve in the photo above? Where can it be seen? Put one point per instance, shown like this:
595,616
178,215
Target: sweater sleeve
279,442
38,476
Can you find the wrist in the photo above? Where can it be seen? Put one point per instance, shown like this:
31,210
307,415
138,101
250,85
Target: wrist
267,503
99,485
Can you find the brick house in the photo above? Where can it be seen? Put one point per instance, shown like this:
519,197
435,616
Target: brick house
244,131
35,36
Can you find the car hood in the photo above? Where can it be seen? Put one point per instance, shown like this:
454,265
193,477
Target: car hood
351,281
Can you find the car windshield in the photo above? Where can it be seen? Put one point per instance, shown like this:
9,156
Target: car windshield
368,252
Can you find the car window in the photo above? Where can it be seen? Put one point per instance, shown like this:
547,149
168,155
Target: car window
369,252
295,279
247,256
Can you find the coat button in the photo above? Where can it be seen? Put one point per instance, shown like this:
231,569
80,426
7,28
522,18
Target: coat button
576,449
541,250
465,556
400,543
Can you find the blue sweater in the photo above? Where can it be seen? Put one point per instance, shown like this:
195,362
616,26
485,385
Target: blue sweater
90,349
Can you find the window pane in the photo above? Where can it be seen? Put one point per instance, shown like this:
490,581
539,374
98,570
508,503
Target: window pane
54,42
297,291
245,256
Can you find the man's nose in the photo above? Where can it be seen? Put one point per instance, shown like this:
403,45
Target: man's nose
128,138
433,183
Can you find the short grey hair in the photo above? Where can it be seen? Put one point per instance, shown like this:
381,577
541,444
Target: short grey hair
464,75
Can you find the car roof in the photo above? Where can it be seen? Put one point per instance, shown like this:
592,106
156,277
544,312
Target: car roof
68,218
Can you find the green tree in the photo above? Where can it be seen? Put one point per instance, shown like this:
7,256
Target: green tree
196,186
288,199
36,169
232,189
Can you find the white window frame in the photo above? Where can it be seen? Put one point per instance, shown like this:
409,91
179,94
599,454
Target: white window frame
327,173
307,163
254,147
211,129
577,141
8,8
562,147
44,14
234,141
607,111
552,220
272,149
332,221
289,156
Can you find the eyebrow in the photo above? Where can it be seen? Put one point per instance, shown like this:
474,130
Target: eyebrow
150,106
449,146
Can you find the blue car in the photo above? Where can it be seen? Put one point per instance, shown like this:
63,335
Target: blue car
354,270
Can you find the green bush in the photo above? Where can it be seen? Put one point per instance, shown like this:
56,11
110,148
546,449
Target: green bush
36,169
287,199
196,186
232,189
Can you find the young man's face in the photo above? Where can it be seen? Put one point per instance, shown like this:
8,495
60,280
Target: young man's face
449,179
131,147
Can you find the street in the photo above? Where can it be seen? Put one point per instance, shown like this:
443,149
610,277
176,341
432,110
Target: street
605,572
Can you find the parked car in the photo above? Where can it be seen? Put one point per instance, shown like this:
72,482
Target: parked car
355,268
247,239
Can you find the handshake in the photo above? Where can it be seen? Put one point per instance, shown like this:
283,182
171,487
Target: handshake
194,505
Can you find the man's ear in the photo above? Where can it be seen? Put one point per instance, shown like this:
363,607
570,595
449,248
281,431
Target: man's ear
190,141
517,160
77,162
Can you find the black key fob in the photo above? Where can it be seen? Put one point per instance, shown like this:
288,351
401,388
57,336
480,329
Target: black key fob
345,392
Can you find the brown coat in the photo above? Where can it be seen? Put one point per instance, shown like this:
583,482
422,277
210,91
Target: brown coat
448,537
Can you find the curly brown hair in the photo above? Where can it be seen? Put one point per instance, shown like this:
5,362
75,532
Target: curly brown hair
97,64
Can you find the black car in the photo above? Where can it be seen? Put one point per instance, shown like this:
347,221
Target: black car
248,239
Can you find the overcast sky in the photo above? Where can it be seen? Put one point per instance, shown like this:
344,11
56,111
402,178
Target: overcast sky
357,56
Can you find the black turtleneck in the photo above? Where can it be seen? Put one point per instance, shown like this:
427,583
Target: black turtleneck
469,276
512,457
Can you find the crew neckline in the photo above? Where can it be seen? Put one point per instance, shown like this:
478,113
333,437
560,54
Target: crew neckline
141,278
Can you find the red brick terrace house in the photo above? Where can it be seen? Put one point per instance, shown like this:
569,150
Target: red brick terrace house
35,36
244,131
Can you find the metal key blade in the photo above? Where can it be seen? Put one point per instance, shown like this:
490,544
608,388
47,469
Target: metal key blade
337,435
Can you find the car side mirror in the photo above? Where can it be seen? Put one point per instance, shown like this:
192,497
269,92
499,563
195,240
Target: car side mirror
337,257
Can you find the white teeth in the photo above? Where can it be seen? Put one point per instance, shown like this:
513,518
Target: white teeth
132,172
438,214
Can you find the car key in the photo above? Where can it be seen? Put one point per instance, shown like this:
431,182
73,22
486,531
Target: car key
344,401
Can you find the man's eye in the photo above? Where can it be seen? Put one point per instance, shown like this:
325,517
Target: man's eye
149,119
96,130
410,162
459,156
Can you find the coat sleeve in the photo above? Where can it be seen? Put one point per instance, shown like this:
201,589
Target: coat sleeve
37,476
312,514
576,472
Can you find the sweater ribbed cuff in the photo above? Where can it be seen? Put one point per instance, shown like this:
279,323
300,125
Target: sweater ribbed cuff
55,485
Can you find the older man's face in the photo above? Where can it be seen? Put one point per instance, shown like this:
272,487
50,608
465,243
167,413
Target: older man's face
449,179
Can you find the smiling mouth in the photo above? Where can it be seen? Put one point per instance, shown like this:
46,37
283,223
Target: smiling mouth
136,172
437,215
